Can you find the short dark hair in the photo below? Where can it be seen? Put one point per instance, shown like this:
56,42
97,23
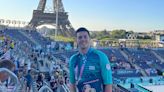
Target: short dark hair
4,63
82,29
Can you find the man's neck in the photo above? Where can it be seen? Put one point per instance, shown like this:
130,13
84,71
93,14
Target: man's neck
0,78
84,51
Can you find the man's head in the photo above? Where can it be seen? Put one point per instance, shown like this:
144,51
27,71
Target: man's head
82,29
83,38
8,65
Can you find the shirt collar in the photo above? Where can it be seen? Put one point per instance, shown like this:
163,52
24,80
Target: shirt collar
88,52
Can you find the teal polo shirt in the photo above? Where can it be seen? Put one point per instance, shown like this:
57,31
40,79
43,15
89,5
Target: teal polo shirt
97,67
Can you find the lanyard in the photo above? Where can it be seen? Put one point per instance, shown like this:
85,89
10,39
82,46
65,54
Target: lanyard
84,60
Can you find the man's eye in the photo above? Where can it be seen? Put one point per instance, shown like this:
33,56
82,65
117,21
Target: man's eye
80,37
85,36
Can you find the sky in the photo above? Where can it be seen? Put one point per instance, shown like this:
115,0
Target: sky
136,15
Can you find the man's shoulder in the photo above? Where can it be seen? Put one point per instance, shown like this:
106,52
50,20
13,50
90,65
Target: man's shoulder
98,52
74,56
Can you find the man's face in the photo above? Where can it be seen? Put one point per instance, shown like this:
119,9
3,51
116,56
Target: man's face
4,76
83,40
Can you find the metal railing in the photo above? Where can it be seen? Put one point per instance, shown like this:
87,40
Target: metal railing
65,87
15,89
45,87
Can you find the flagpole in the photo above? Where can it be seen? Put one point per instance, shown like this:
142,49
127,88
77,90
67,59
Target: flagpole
57,10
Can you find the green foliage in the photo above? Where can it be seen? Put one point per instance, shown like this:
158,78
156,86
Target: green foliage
115,34
118,34
62,38
100,34
130,32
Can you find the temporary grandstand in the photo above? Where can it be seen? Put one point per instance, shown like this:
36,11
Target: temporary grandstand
133,69
45,61
156,88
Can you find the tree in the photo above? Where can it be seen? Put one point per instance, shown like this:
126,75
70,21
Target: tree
130,32
118,34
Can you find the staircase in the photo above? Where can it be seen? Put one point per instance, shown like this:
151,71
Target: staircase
124,54
159,57
133,64
32,40
143,73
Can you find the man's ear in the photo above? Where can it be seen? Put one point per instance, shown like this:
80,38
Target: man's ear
76,42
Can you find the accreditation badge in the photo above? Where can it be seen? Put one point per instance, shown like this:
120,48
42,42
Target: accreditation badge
91,67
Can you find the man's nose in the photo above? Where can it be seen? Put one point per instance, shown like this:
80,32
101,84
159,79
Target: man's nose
83,38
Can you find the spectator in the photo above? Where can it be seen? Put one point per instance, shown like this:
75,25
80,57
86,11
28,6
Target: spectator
29,81
4,75
39,81
8,65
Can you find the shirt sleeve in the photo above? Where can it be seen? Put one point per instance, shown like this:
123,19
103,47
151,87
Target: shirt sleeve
71,70
106,71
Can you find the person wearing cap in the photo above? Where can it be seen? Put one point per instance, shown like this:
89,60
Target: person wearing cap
89,66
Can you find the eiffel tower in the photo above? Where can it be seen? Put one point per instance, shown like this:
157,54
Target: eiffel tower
41,17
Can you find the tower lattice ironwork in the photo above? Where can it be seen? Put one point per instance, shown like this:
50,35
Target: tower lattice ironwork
41,17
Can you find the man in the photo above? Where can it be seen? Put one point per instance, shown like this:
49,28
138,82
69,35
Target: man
4,75
89,66
29,80
8,65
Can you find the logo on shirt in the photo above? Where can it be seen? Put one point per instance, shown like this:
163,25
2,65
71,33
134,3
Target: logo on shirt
91,67
108,67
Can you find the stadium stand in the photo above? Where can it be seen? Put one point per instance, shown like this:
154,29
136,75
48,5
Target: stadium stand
49,67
